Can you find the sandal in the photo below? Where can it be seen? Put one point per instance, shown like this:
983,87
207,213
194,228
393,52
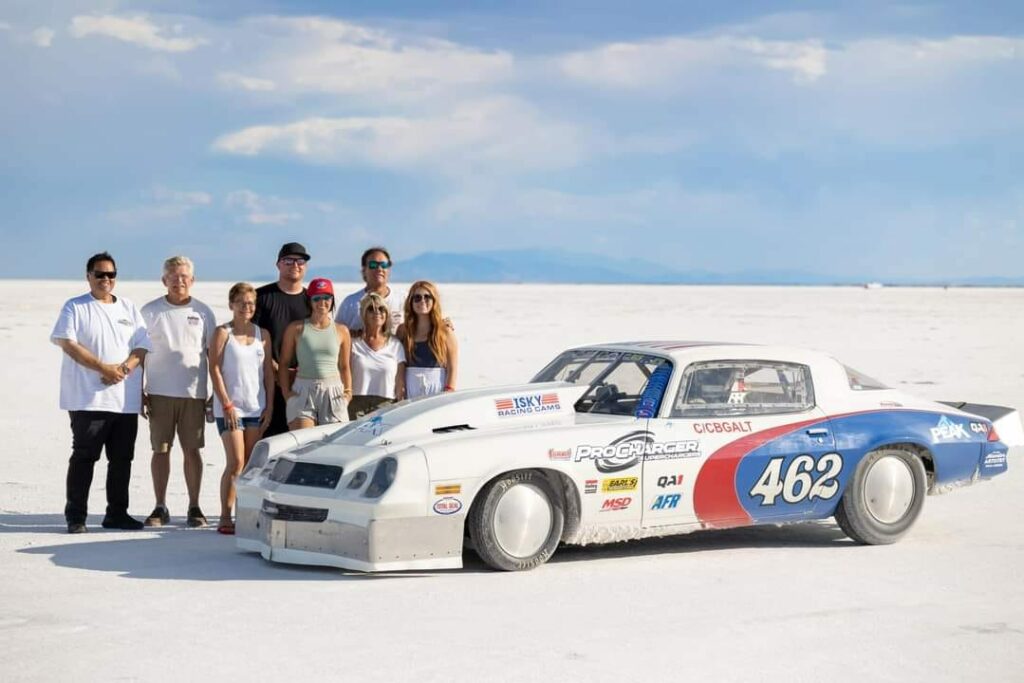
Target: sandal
226,528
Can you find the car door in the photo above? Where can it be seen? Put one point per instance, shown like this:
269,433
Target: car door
742,443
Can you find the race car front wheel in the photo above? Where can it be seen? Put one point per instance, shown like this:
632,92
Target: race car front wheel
516,521
884,498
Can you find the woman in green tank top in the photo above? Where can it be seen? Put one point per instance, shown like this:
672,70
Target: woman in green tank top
317,391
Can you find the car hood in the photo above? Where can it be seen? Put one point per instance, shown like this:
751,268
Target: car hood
473,410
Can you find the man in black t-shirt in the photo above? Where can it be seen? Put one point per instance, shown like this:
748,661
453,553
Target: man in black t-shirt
277,305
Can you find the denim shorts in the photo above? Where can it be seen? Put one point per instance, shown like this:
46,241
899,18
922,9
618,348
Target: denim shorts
243,422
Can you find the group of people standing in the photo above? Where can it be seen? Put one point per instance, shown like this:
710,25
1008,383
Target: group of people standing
289,358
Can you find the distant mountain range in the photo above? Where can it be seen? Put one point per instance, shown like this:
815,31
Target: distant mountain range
564,267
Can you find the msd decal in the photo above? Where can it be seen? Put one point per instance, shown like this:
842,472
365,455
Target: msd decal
530,404
628,450
947,430
616,504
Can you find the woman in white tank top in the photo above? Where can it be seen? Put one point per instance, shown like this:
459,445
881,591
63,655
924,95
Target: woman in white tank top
242,371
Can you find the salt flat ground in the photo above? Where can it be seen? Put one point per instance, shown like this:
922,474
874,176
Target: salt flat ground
792,603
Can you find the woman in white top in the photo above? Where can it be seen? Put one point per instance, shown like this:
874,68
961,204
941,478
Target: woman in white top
242,371
378,360
431,351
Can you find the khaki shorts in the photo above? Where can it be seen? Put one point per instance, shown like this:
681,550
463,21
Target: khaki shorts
319,400
168,414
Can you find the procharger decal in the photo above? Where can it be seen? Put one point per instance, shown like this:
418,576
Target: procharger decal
529,404
627,451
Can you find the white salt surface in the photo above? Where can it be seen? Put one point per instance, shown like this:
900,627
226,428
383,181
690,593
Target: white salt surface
793,603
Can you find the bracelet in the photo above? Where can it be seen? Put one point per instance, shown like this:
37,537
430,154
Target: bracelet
123,367
449,387
229,406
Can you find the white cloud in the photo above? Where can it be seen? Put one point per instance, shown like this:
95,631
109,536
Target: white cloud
259,210
234,80
4,26
42,36
499,132
136,30
680,62
322,55
164,205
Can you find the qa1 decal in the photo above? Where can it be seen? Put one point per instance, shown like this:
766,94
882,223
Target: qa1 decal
804,479
628,450
670,480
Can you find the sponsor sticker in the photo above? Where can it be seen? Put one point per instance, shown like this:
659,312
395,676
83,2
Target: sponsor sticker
666,502
628,450
447,506
995,459
947,430
447,489
618,484
670,480
527,404
979,428
723,427
590,486
374,426
615,504
556,454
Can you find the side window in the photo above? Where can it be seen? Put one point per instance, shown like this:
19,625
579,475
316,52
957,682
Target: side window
743,387
620,390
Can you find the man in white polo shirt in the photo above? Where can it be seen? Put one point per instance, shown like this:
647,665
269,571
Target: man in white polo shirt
180,327
376,271
104,341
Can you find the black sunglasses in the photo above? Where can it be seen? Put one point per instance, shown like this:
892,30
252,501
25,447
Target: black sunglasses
374,265
104,274
417,298
375,310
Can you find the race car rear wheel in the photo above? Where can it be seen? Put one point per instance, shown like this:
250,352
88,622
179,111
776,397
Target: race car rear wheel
516,521
884,498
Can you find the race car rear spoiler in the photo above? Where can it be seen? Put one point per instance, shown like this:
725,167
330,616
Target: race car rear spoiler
1006,420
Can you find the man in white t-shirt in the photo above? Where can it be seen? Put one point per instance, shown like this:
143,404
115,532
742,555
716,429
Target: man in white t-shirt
176,386
376,270
104,340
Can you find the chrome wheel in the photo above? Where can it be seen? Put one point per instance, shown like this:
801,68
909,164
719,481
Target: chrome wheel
522,520
889,489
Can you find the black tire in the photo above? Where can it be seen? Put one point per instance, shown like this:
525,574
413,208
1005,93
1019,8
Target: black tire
483,517
854,514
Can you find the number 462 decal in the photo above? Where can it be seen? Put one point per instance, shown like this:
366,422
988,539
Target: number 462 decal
798,482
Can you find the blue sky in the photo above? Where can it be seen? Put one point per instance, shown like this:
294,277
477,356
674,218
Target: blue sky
874,140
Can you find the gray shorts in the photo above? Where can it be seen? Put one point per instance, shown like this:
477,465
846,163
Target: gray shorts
319,400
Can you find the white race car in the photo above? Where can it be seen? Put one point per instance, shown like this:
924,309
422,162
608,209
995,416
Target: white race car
614,442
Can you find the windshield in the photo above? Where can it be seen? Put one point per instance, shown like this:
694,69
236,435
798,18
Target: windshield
620,383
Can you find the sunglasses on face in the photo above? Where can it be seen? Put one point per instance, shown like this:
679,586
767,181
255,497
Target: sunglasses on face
321,297
290,261
419,298
375,310
374,265
104,274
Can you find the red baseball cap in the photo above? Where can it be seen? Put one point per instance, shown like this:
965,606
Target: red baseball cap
320,285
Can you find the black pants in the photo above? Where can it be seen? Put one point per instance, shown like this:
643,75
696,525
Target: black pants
91,432
278,421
